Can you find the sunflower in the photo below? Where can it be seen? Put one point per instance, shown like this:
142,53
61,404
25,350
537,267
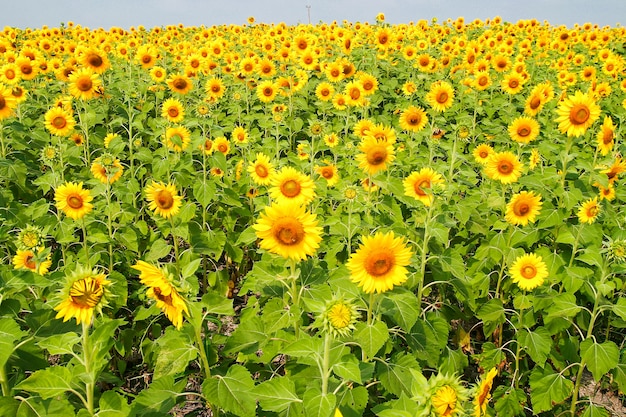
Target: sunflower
413,119
504,167
334,72
73,200
534,102
379,263
576,114
369,83
329,173
172,110
29,260
9,73
107,169
446,396
84,83
261,170
528,271
612,172
7,103
338,318
483,393
18,93
162,291
266,91
146,56
30,238
512,83
523,208
84,293
158,74
177,138
375,156
288,230
214,87
28,69
440,96
606,136
94,59
419,184
221,144
239,135
353,91
340,101
524,129
482,81
606,193
409,88
589,211
180,83
290,185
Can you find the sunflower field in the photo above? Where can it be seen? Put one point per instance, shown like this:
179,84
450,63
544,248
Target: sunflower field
342,219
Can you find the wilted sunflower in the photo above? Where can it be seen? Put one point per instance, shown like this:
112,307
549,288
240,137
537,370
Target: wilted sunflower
589,211
379,263
523,208
528,271
375,156
420,183
576,114
524,129
441,96
84,293
288,184
162,291
288,230
606,136
84,83
59,122
172,110
483,393
35,260
163,199
73,200
177,138
413,119
503,167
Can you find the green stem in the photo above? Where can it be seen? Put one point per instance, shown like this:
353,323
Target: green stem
4,382
109,225
295,295
176,249
519,349
3,150
90,385
424,258
85,244
203,356
575,247
370,308
326,364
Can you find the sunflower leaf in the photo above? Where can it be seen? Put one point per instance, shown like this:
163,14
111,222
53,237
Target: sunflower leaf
538,343
371,337
548,388
276,394
599,357
233,392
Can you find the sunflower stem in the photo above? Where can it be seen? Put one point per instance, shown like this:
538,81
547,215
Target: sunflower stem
4,382
109,225
175,242
85,244
89,386
575,247
326,363
424,258
3,151
204,360
519,348
295,295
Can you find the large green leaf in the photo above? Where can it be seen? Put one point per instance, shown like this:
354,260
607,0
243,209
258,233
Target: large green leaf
60,344
564,305
428,338
232,392
396,375
49,382
537,343
600,358
277,394
352,401
159,398
175,351
548,389
619,308
595,411
318,405
52,407
348,369
9,333
371,337
112,404
403,308
509,401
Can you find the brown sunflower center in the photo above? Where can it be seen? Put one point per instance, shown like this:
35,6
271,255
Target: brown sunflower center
355,93
579,114
180,83
513,83
483,81
414,119
535,102
529,271
290,188
173,112
377,156
95,60
521,209
593,211
9,74
59,122
75,201
164,199
335,72
146,59
216,88
261,171
167,299
523,131
505,167
3,102
84,84
26,69
379,262
289,231
607,137
419,187
442,97
327,172
268,91
222,147
29,262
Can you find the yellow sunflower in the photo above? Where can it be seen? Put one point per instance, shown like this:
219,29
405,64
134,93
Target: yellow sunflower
162,291
214,88
158,74
606,136
339,317
512,83
441,96
59,122
504,167
180,83
379,263
329,173
266,91
239,135
288,230
95,60
483,393
606,193
261,170
589,211
420,183
107,169
36,262
413,119
163,199
177,138
375,156
84,293
528,271
7,103
73,200
172,110
576,114
288,184
221,144
612,172
523,208
84,83
524,129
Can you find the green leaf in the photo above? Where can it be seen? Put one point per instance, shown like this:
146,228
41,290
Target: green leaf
492,311
619,373
402,306
48,383
428,338
538,343
246,337
371,337
352,401
548,389
595,411
9,333
600,358
396,375
510,403
277,394
204,192
214,303
175,350
232,392
53,407
348,368
619,308
113,404
158,250
159,398
564,305
60,344
318,405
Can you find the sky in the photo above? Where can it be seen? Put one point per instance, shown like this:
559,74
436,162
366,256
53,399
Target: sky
150,13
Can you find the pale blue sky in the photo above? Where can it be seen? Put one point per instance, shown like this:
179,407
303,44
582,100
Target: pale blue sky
150,13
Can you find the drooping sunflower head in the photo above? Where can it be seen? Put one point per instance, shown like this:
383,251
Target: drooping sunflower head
576,114
73,200
36,260
288,230
163,199
85,292
289,184
483,392
380,263
107,169
523,208
606,136
528,271
447,397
